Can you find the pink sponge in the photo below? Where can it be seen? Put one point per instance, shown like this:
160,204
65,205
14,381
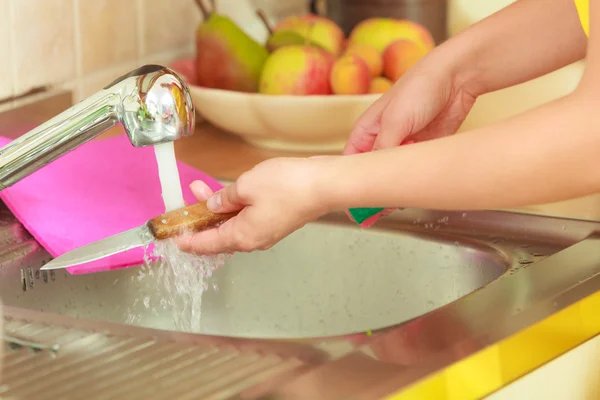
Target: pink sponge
101,188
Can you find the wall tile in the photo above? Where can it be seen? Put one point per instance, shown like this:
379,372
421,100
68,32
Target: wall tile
6,76
166,58
44,42
279,9
91,84
83,44
168,25
107,33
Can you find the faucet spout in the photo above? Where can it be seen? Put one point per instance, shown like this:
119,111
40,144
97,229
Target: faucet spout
152,103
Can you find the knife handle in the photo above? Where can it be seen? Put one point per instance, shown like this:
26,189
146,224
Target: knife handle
194,218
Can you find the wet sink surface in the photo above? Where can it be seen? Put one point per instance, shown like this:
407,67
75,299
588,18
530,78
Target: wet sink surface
330,278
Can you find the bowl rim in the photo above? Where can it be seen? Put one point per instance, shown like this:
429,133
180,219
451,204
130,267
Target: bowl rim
288,97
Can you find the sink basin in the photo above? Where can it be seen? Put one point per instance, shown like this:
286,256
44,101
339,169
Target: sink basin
330,278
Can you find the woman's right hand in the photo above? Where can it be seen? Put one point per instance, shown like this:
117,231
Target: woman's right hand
428,102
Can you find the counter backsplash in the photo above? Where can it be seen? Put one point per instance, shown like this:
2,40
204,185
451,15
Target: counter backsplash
81,45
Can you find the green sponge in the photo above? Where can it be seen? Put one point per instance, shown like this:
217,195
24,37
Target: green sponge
360,215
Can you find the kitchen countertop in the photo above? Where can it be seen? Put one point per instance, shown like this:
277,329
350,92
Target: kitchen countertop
223,155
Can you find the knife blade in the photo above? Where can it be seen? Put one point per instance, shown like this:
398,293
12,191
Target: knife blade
192,218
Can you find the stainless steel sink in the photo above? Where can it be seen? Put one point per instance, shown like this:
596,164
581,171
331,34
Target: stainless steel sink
334,279
330,278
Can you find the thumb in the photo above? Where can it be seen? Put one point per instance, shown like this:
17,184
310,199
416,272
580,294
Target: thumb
200,190
225,200
397,123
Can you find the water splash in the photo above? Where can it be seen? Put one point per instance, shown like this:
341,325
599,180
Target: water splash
178,281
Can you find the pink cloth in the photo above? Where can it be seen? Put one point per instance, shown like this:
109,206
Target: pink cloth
101,188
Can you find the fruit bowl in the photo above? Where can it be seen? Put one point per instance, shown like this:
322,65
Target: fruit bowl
302,89
315,123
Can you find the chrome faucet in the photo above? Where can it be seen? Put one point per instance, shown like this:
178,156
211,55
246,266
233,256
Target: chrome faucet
152,103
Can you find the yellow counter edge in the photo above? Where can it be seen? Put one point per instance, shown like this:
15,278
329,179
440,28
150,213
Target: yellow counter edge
494,367
583,9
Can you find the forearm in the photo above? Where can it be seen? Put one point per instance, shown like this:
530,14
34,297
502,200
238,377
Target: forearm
523,41
545,155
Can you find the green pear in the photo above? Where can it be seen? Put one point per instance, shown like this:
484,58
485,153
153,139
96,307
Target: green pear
288,38
318,29
226,57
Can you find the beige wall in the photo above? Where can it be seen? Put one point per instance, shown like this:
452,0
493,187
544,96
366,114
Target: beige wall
462,13
497,106
84,44
494,107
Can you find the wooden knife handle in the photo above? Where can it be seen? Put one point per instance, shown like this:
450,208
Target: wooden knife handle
192,218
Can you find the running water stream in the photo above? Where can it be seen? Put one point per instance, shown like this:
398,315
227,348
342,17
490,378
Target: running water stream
168,174
179,278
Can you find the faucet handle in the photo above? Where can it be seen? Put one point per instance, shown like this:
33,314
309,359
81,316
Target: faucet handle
152,102
156,105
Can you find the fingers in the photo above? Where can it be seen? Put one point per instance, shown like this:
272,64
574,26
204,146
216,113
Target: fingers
367,127
218,240
225,200
227,238
361,140
209,242
396,125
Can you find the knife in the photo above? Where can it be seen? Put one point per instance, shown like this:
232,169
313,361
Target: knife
192,218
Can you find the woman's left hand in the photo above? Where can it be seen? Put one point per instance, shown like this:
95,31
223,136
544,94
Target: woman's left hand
275,198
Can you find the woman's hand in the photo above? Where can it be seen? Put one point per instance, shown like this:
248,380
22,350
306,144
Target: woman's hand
426,103
276,198
434,97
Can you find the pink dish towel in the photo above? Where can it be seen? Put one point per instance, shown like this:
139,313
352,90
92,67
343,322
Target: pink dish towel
99,189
